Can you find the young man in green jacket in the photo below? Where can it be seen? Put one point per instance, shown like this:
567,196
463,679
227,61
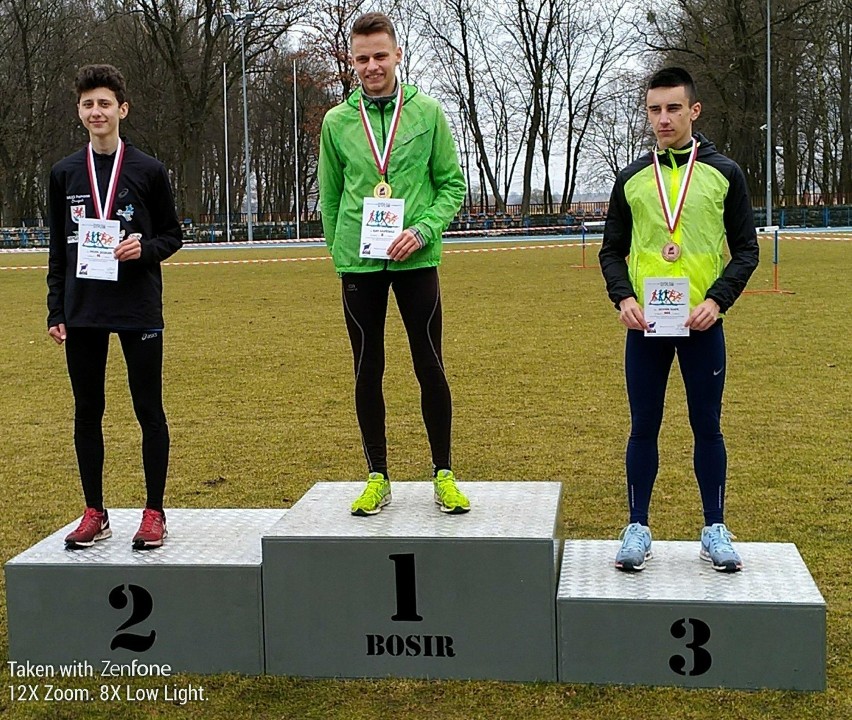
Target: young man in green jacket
390,183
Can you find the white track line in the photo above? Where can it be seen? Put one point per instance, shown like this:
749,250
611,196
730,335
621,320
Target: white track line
260,261
833,237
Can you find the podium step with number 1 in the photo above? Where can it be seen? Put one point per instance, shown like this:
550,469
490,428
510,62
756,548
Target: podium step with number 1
412,591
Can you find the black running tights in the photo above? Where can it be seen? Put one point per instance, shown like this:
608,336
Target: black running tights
86,354
365,303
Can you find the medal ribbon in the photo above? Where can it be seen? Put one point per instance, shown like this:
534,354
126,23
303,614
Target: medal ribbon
672,216
104,211
383,159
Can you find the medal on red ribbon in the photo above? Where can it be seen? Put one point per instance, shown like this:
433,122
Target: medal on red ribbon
104,211
671,250
383,189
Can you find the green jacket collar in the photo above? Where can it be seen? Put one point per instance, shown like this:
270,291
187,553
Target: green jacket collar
408,92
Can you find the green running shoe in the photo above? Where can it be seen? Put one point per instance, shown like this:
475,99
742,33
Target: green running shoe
376,495
447,495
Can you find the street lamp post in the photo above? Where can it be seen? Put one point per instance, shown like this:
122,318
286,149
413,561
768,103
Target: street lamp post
241,22
296,149
227,161
770,161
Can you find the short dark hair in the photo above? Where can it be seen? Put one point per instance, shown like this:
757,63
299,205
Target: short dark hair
90,77
675,77
371,23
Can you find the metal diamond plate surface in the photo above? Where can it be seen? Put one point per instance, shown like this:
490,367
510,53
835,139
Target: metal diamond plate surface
196,537
773,573
501,510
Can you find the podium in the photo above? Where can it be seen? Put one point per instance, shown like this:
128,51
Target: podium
194,604
412,591
679,622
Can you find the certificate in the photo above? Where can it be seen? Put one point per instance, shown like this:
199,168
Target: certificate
96,249
667,306
381,224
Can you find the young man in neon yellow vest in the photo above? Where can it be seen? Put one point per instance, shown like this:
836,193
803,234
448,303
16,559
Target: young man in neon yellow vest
390,183
671,213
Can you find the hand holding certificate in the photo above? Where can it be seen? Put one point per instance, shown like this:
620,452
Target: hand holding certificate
130,248
381,223
96,249
667,306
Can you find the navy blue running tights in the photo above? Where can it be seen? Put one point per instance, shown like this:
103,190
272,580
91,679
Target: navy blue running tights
86,355
648,361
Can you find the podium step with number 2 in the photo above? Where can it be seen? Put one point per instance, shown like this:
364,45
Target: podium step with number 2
193,604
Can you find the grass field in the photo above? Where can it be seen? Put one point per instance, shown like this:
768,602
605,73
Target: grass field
259,398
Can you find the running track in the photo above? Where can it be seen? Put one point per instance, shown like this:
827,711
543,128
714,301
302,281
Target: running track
499,244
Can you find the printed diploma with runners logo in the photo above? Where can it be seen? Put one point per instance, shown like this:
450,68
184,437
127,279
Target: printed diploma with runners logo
96,249
380,226
666,306
99,237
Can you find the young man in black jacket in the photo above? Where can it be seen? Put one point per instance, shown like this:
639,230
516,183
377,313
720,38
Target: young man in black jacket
112,222
672,215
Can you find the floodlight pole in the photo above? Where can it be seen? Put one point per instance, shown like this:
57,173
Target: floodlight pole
227,161
241,22
296,150
770,158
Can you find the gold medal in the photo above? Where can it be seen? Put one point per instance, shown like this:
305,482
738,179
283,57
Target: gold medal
671,252
382,191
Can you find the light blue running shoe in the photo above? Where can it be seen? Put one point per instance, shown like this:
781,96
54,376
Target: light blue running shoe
716,548
635,547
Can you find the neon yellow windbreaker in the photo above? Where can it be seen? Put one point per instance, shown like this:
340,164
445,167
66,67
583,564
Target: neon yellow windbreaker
717,211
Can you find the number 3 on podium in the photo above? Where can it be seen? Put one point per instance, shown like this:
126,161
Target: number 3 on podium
701,659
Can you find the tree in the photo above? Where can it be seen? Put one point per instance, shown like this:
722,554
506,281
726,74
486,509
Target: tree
39,41
329,23
593,41
534,28
274,146
842,39
191,40
458,32
619,126
723,43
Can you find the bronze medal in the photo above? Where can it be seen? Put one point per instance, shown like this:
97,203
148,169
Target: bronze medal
671,252
382,191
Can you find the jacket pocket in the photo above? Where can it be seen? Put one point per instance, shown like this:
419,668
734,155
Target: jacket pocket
411,151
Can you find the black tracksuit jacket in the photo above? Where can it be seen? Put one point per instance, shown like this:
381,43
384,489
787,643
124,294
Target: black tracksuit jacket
143,204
